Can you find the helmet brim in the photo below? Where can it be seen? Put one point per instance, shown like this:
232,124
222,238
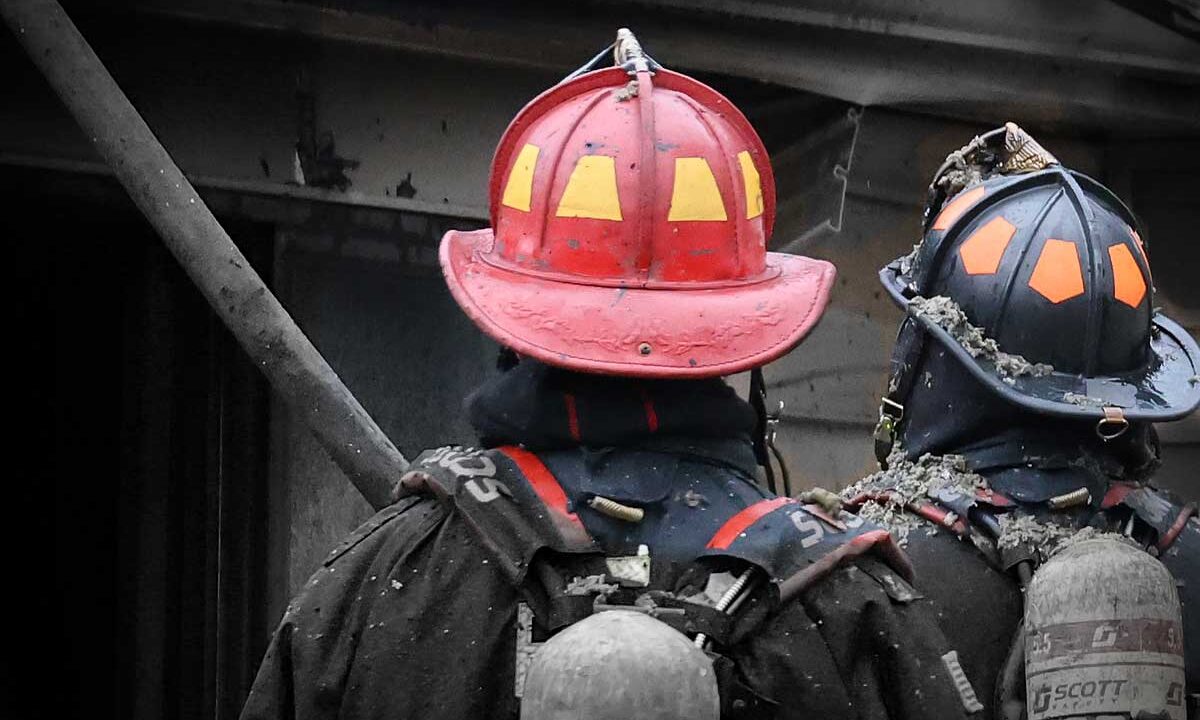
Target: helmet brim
1166,388
635,331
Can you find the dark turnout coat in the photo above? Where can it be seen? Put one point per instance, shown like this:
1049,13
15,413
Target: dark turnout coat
1027,460
418,613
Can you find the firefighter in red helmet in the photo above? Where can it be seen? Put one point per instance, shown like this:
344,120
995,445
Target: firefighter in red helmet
1025,378
625,272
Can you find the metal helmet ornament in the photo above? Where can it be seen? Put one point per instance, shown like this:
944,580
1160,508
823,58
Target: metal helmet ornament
1048,263
620,664
631,208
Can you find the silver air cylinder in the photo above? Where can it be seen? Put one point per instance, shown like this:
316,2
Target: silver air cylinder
617,665
1103,636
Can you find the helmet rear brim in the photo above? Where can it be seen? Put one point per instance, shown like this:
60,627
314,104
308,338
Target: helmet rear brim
636,331
1167,387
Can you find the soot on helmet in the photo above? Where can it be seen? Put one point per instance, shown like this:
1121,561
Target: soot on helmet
1024,454
1048,265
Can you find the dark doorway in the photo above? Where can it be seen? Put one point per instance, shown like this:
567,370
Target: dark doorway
144,428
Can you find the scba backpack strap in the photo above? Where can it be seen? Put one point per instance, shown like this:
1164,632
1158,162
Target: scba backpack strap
507,496
797,544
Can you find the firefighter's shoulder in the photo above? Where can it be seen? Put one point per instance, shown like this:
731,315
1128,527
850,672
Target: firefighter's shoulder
507,495
415,495
409,511
799,543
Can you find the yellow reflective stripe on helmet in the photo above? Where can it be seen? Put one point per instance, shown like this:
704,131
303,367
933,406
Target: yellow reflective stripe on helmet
591,190
519,188
752,184
695,195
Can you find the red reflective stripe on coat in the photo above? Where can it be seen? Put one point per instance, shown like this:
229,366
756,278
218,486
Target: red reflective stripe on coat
1116,495
572,416
881,541
877,541
933,513
651,413
993,498
940,516
737,524
1177,527
541,480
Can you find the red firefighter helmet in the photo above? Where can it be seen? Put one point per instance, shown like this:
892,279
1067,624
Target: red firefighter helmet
630,214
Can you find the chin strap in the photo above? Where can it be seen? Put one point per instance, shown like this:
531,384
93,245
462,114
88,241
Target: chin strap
764,434
910,342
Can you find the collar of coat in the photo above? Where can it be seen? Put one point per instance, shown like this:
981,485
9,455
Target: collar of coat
544,408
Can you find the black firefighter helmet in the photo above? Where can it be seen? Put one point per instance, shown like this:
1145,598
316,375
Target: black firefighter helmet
1048,263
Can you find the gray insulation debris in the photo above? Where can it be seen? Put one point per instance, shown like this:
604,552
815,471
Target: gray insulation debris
929,476
963,175
913,480
892,518
1021,530
1048,537
1082,400
910,481
945,313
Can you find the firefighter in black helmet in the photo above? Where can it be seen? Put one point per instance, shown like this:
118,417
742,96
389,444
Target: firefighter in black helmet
1025,377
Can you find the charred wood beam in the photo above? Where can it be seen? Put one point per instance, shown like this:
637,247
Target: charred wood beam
235,291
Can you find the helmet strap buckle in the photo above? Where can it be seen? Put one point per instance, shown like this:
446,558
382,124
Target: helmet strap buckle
890,415
773,419
1113,425
773,424
764,435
